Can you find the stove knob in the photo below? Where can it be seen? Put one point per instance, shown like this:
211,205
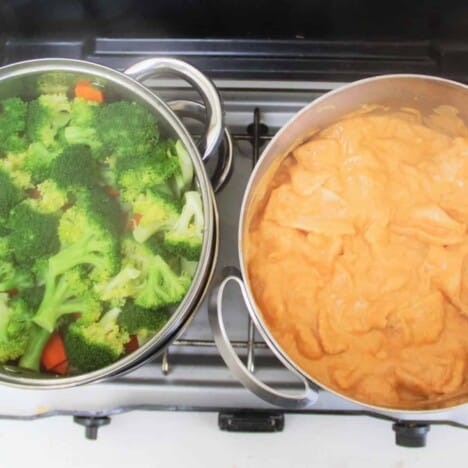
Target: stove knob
410,434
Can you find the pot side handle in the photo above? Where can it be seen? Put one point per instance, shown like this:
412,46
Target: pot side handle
215,312
163,66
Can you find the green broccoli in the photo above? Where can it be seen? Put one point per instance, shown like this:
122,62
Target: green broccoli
144,323
153,175
82,128
93,346
151,169
13,164
64,294
155,212
83,112
51,198
12,125
15,326
106,208
127,128
123,285
147,278
9,195
38,161
185,238
12,277
33,234
184,177
56,82
32,297
46,116
75,168
85,240
163,287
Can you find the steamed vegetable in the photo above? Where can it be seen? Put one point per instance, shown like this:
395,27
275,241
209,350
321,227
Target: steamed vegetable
100,227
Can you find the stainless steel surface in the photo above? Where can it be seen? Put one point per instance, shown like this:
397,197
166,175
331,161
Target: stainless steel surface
305,399
21,79
214,115
422,92
197,378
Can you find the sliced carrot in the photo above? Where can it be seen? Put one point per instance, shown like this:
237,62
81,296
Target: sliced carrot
132,345
61,369
54,352
137,218
112,192
84,90
135,221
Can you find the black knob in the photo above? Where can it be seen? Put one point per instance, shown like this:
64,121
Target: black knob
92,424
410,434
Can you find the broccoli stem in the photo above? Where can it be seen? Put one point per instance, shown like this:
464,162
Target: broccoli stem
56,302
31,358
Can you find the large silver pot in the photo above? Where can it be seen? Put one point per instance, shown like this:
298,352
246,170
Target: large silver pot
21,79
417,91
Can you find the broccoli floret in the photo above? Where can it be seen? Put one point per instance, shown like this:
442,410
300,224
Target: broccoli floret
9,195
12,277
64,294
85,240
162,287
56,82
33,234
141,322
155,213
188,267
83,112
15,326
46,116
147,278
84,243
13,164
136,173
75,168
38,161
32,297
51,197
149,175
184,177
127,128
82,128
185,238
121,286
106,208
93,346
12,125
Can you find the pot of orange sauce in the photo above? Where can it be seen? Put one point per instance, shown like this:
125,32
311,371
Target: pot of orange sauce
353,248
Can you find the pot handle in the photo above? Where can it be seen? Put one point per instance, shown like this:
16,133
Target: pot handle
161,66
215,312
225,163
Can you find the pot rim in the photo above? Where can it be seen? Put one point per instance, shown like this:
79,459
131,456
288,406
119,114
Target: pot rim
254,309
209,252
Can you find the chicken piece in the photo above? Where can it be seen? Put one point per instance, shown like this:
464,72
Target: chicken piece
429,223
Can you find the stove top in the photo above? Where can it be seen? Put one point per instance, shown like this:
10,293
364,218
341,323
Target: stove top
191,375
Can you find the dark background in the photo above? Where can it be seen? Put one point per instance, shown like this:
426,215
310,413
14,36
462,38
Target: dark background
268,19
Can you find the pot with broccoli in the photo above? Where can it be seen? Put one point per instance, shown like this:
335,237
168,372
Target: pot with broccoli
106,225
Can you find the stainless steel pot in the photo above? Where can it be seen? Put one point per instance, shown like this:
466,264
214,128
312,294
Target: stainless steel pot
21,79
418,91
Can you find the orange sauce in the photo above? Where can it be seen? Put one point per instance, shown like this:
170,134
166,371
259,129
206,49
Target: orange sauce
358,256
